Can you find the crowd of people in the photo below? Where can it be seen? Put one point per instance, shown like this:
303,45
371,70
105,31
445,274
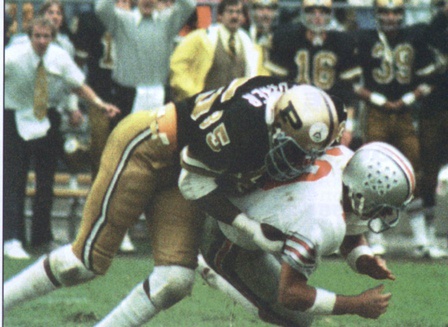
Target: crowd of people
219,119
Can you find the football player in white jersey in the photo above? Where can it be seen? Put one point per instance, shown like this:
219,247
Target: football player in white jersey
319,213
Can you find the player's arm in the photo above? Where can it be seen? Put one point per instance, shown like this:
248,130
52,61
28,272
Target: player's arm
296,294
86,92
197,182
361,259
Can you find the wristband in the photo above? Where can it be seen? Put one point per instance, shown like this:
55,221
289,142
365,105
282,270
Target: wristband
97,101
408,98
377,99
324,302
425,89
356,253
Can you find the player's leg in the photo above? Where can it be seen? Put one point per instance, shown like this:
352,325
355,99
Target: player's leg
175,227
408,143
249,277
99,132
432,147
120,193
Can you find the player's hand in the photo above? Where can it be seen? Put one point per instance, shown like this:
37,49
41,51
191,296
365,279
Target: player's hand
394,105
268,238
109,110
76,118
373,302
374,267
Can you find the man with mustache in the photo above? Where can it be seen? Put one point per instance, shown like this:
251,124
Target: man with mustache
210,58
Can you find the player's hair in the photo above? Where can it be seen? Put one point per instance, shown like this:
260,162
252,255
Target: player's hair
41,21
225,3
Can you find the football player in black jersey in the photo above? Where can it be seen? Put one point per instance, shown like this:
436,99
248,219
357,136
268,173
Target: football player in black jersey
312,52
433,127
309,53
397,64
228,140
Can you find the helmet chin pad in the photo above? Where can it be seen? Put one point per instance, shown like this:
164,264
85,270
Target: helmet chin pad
286,160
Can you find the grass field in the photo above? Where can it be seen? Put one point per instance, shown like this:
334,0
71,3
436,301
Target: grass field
420,298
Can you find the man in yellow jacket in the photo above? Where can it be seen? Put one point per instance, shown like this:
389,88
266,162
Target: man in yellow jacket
209,58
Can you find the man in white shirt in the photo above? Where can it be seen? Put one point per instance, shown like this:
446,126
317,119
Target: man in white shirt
143,39
33,133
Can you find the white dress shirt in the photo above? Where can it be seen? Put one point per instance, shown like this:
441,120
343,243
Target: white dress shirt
20,71
21,63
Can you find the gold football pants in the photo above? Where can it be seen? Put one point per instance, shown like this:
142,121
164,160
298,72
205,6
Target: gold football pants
138,173
398,130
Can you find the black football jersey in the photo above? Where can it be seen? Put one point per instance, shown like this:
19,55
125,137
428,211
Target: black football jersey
91,38
226,129
328,66
398,75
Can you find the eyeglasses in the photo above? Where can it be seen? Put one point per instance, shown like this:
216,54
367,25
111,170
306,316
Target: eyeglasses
233,11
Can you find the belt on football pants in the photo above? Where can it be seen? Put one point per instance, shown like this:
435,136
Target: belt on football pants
167,125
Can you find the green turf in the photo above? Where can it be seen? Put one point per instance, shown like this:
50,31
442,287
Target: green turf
420,298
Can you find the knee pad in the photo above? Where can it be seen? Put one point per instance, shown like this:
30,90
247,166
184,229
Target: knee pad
67,268
170,284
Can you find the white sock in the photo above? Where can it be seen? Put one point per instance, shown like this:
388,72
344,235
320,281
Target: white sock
135,310
29,284
432,237
376,238
418,226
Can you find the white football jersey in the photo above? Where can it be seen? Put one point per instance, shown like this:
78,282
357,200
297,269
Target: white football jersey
307,210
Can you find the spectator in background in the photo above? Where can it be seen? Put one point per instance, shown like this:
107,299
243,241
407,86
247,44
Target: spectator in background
36,73
397,65
27,16
263,15
144,39
54,11
209,58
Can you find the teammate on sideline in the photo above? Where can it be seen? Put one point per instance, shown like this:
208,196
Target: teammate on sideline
398,66
375,184
229,137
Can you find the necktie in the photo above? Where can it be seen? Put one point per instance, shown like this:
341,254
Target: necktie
40,92
232,44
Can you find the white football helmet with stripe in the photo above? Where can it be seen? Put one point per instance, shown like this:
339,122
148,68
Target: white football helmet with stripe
380,182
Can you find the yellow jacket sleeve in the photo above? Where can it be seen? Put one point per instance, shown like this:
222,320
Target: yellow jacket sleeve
190,63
